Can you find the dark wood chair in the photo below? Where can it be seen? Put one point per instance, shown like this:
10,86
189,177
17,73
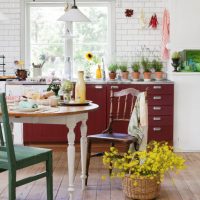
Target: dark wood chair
121,107
13,157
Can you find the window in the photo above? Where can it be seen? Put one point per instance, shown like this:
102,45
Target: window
45,41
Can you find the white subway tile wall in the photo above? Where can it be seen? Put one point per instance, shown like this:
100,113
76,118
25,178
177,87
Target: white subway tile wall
131,40
10,33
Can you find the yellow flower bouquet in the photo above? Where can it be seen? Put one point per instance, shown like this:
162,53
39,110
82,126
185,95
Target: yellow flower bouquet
143,171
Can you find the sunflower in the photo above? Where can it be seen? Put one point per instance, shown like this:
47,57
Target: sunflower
89,56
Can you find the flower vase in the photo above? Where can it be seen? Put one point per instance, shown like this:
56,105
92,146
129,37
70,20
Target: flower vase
67,97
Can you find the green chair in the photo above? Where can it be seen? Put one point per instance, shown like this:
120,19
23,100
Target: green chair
13,157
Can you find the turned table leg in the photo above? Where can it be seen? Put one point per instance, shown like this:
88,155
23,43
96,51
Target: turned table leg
83,150
71,155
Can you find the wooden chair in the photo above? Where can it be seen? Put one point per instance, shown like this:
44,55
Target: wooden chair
13,157
121,107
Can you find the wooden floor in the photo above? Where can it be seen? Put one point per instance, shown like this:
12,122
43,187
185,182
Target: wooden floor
184,186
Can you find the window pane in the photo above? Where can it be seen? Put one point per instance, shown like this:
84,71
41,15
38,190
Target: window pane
46,38
91,37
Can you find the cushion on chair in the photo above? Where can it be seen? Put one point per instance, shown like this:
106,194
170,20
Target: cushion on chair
116,137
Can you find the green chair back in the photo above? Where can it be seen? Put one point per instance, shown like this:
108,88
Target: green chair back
6,145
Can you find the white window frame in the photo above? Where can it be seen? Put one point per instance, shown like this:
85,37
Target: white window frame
25,25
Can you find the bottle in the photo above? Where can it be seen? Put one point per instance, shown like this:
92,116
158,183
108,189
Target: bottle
80,88
98,72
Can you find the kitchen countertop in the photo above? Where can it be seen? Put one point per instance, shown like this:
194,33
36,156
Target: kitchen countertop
14,82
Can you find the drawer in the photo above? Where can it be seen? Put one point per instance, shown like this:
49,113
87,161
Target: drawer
160,120
160,99
160,133
160,110
161,89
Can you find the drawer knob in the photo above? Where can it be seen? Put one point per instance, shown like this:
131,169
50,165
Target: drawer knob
114,87
157,87
156,129
157,97
98,86
156,108
157,118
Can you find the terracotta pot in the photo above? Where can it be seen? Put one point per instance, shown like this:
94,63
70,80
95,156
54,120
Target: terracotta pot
147,76
125,75
159,75
135,75
112,75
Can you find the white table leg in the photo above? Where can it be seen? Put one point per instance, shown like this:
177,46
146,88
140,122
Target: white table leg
71,156
83,150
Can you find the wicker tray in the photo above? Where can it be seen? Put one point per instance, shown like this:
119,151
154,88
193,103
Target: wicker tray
146,188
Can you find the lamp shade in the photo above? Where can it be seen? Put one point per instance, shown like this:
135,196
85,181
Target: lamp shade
73,15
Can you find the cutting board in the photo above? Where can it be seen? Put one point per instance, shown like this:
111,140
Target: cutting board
8,77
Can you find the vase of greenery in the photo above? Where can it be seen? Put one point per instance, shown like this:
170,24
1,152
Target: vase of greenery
146,64
124,71
136,71
55,87
112,71
66,90
176,60
157,65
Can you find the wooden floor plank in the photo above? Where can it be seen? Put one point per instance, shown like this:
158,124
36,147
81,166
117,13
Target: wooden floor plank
184,186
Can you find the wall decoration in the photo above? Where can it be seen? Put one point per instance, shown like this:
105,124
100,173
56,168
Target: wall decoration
143,20
129,12
153,22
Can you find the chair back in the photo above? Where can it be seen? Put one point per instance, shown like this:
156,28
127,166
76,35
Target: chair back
121,105
7,144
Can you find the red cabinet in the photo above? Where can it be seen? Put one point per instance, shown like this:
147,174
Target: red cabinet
45,133
160,110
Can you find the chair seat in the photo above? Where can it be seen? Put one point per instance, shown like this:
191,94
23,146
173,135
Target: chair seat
25,156
114,137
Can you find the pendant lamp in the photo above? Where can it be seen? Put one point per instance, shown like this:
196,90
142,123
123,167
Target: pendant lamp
73,15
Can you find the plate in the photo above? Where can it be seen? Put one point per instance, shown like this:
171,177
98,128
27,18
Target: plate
14,108
73,103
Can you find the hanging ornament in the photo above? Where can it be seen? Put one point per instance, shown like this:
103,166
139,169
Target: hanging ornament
143,21
129,12
153,22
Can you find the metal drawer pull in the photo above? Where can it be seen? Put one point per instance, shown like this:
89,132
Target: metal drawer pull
157,87
114,87
98,86
157,129
157,118
157,97
157,108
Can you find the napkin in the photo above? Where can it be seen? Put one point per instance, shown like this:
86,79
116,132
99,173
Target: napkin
26,104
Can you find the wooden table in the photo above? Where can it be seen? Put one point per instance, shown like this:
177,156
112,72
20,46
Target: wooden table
68,116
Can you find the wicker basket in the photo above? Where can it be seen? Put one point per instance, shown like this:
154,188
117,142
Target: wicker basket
146,188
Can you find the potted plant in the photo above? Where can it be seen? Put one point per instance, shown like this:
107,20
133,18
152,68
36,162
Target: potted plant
124,71
66,90
175,60
143,171
147,69
136,73
158,66
55,87
112,71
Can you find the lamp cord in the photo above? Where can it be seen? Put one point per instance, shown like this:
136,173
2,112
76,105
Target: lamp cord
74,6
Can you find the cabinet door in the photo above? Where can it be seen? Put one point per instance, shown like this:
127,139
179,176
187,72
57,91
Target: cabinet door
97,119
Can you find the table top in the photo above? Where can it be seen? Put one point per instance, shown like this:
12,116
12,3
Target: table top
59,111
